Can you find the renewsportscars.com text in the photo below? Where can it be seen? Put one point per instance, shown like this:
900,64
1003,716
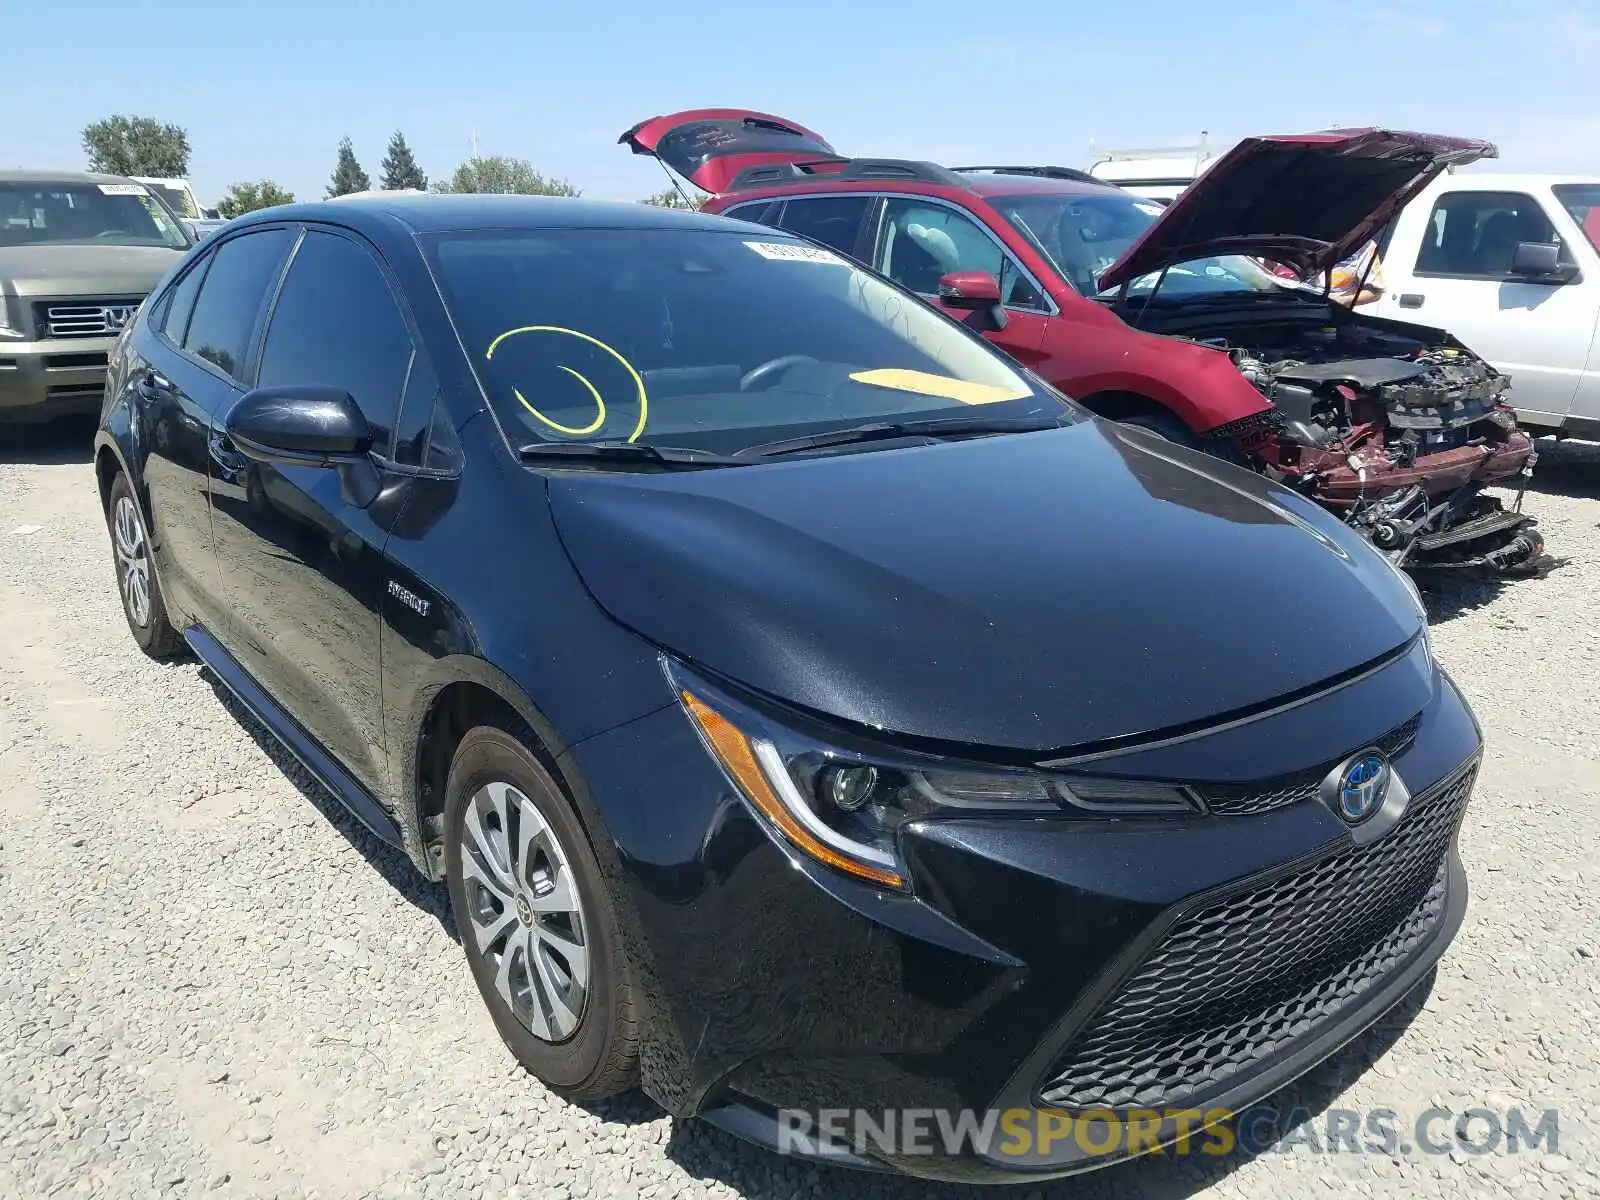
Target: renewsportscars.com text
1027,1134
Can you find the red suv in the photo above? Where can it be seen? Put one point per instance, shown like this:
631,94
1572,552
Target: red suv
1189,319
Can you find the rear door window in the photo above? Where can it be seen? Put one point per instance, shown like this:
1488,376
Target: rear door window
179,304
1582,202
237,284
832,220
337,323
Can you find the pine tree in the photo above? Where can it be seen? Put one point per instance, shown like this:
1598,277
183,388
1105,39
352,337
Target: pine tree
347,173
400,168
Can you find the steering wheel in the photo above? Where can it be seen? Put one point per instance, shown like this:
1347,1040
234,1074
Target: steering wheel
767,373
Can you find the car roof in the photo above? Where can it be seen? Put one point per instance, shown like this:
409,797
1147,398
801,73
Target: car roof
981,183
1482,181
426,212
23,175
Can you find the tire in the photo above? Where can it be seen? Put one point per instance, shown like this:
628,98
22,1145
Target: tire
142,603
1166,427
1170,429
516,905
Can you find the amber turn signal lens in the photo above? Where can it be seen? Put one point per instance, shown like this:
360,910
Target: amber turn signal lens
733,750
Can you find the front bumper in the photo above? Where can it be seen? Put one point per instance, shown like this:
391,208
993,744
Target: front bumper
43,380
1154,971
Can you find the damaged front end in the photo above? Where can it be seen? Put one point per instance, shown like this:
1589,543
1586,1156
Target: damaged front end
1399,434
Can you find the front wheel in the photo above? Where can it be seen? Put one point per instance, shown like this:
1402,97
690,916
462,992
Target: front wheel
536,920
1168,428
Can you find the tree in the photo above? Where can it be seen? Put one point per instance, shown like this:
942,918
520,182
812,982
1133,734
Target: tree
500,176
137,146
347,173
400,168
247,197
669,199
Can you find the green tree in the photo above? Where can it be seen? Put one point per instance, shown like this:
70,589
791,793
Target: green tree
669,199
400,168
137,146
501,176
347,173
247,197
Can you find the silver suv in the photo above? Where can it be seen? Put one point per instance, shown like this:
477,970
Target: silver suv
78,254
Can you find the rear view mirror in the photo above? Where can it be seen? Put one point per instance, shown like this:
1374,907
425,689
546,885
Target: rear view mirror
305,425
1541,263
975,292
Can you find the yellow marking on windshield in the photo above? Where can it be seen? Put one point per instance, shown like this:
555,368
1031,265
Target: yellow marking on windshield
600,404
925,384
599,408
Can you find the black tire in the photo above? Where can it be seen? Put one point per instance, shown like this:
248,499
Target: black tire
1169,428
142,603
1166,427
599,1057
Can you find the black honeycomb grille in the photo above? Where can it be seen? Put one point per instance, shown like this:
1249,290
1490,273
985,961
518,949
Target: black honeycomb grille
1248,799
1247,976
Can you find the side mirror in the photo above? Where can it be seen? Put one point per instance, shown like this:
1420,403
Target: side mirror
306,425
977,292
1541,262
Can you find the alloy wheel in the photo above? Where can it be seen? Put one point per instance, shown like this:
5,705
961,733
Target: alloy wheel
527,917
133,559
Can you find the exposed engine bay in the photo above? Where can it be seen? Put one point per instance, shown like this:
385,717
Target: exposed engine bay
1396,433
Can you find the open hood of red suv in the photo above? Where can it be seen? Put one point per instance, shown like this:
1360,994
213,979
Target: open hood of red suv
711,146
1305,200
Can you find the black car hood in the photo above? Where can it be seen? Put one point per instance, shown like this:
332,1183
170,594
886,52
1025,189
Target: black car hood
1305,200
1031,592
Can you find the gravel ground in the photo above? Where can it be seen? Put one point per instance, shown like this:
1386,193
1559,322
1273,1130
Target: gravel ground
214,981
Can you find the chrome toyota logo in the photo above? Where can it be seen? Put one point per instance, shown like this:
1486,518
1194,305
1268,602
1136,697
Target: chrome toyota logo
1363,782
117,315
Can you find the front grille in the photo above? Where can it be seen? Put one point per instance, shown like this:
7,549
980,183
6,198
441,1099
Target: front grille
84,318
1247,976
74,362
1248,799
1267,421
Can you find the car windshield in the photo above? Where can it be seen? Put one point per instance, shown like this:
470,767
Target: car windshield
1084,233
99,214
1582,201
177,199
707,339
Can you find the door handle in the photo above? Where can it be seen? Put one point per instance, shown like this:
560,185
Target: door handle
229,461
1411,300
153,385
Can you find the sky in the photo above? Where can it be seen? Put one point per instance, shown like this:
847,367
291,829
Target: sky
266,91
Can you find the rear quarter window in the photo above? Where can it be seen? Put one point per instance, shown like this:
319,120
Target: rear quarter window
242,273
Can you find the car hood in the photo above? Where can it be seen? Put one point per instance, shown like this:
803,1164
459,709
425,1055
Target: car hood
84,270
1306,200
1035,592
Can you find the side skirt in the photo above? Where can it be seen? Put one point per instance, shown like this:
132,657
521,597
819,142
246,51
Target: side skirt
296,740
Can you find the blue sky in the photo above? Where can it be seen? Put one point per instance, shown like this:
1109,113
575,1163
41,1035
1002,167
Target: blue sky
267,90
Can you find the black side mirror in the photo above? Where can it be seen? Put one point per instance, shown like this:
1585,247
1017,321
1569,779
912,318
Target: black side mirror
305,425
1541,263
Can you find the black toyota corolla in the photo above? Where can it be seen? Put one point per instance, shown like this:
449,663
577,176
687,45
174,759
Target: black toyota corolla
808,708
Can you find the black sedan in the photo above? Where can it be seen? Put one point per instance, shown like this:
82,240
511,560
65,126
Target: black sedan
808,708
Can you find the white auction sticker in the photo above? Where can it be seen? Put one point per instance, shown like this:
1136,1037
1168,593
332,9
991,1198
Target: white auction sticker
793,252
123,189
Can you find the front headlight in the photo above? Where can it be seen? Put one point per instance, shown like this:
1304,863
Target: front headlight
845,808
1416,598
8,320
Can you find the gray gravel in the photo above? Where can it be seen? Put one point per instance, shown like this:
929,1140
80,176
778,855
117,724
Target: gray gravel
213,982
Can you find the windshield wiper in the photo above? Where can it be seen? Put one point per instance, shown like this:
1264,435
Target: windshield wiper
625,452
881,430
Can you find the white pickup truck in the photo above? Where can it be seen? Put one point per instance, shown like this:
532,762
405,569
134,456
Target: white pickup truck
1508,264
